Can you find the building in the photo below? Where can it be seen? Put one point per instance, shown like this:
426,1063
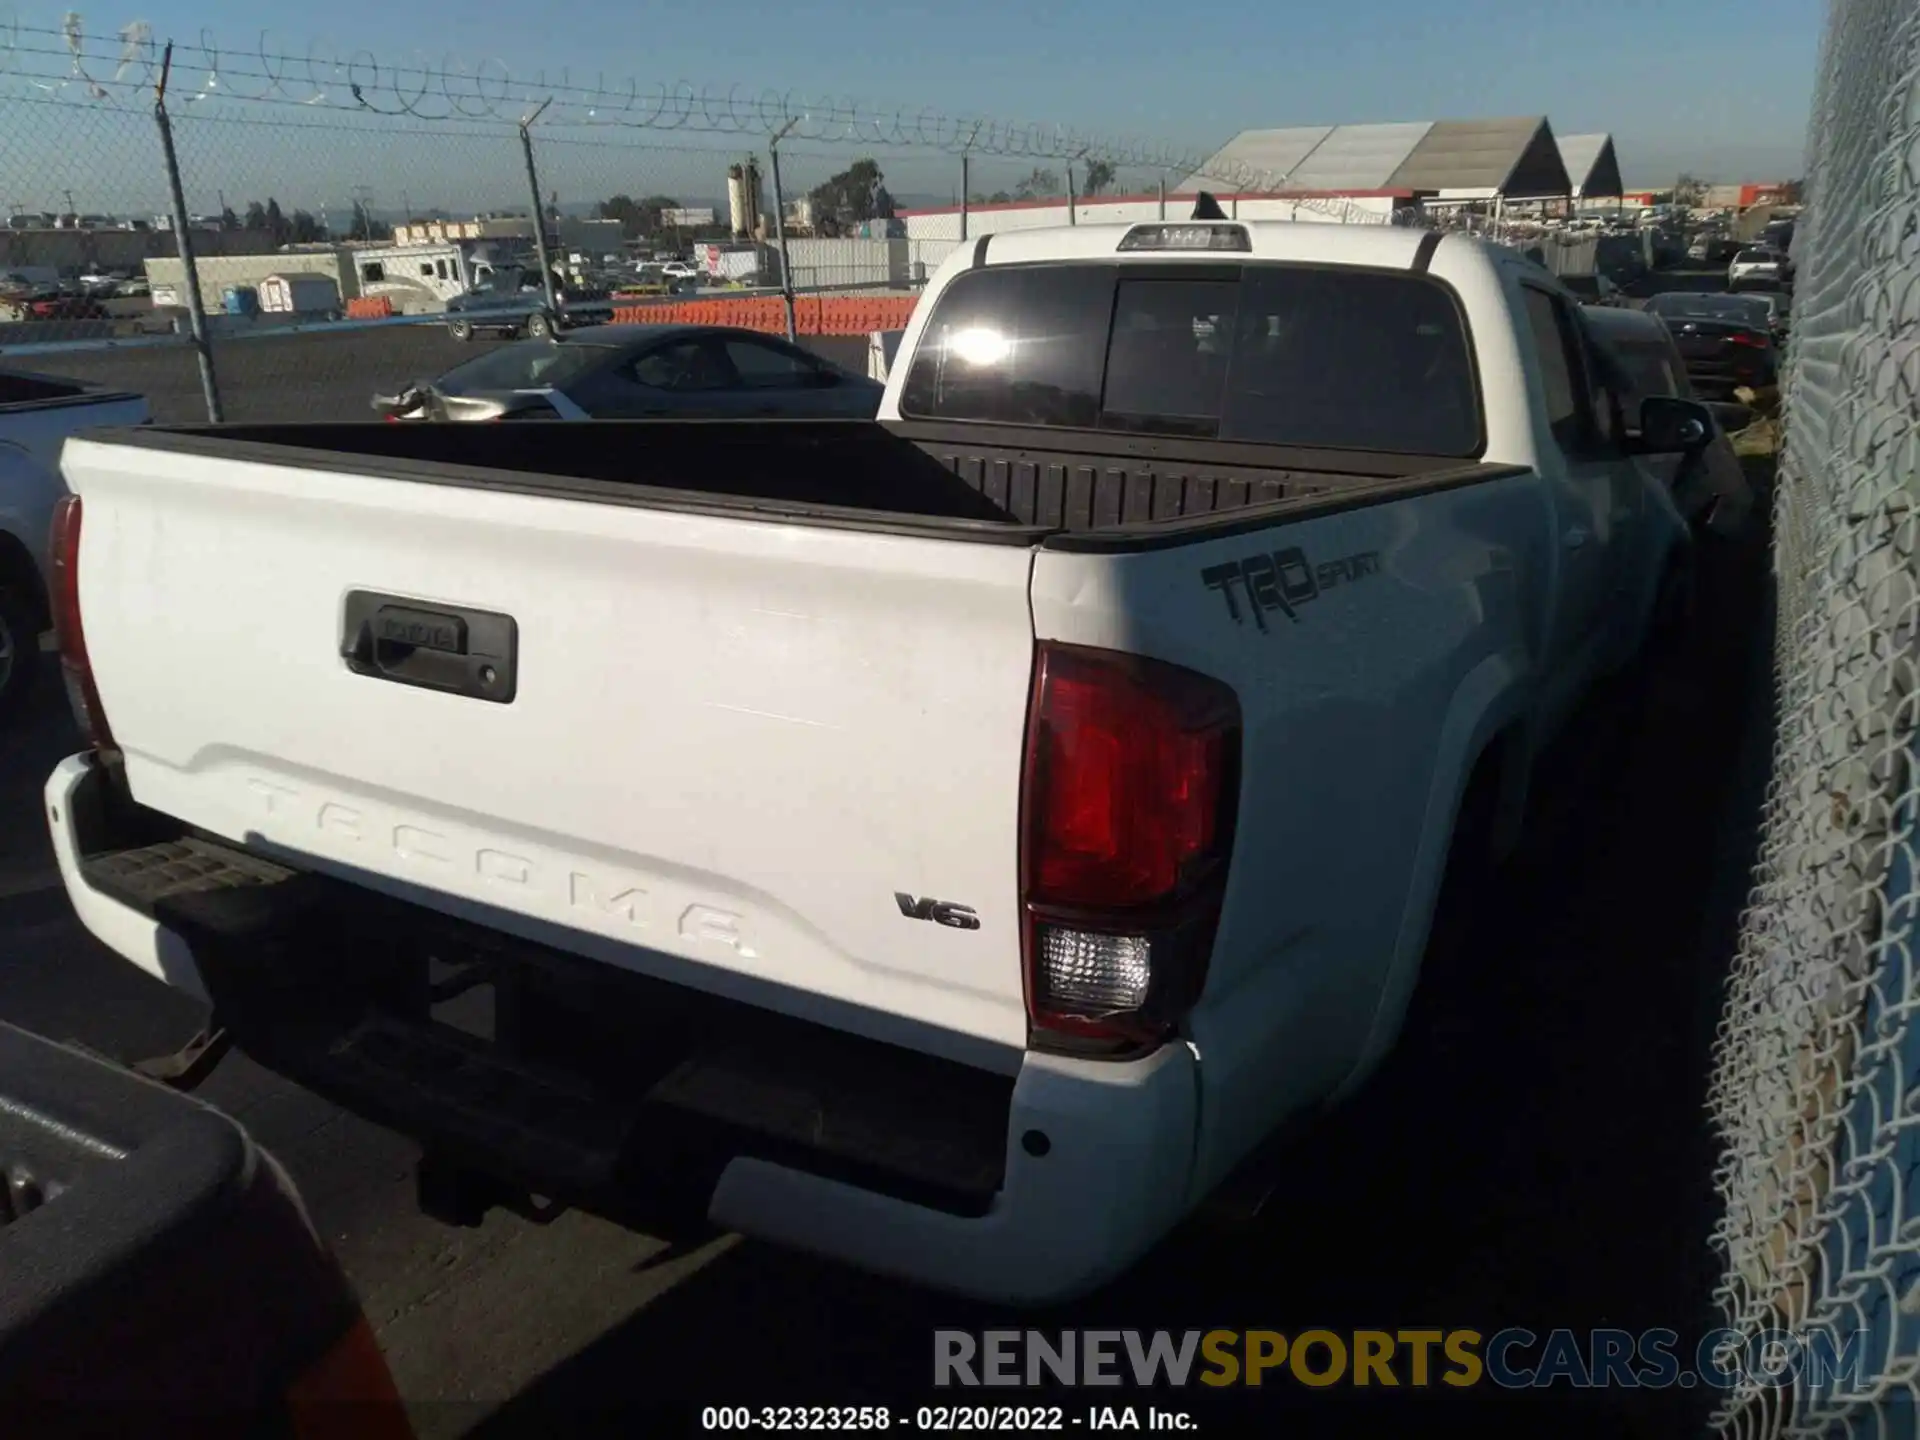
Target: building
1592,167
75,250
1449,162
933,232
569,232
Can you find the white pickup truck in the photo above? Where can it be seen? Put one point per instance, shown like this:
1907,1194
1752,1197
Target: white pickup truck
37,414
949,843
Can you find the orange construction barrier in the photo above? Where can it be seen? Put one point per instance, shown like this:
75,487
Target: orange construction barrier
369,307
812,314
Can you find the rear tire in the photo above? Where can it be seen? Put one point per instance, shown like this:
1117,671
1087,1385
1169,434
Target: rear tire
539,326
461,331
20,658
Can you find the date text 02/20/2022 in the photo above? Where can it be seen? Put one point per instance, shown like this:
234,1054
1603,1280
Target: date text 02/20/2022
943,1419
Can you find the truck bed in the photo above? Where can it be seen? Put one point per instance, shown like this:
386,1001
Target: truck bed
1010,484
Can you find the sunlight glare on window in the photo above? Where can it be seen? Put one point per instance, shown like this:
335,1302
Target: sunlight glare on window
980,345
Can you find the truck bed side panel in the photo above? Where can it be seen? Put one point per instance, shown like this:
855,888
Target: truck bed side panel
733,743
1376,622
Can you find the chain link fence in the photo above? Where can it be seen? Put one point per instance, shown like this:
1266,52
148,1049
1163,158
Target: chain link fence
334,207
1817,1057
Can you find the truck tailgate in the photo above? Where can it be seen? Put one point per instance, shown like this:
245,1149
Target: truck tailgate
731,745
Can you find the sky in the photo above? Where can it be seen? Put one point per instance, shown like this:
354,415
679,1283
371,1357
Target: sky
1717,88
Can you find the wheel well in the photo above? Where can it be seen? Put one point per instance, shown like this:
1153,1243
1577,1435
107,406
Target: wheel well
19,573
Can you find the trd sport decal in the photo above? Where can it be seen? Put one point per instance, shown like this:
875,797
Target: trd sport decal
1283,580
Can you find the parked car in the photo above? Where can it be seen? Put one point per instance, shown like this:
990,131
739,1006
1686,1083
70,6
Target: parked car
1727,341
515,302
631,372
1596,289
1710,487
63,307
37,414
1756,267
681,270
931,843
1713,247
163,1274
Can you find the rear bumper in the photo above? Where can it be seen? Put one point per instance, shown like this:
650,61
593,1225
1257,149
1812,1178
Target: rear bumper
1027,1188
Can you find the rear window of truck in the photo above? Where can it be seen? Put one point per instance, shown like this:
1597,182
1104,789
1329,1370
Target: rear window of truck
1312,356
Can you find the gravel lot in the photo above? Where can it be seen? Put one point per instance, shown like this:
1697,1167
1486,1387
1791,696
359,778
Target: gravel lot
1534,1153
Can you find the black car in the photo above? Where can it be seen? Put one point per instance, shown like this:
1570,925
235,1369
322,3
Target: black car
1727,341
633,372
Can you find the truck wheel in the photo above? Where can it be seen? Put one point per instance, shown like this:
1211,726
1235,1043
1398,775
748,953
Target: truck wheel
460,330
539,326
20,660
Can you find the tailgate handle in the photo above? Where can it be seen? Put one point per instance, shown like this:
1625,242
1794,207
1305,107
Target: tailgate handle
474,653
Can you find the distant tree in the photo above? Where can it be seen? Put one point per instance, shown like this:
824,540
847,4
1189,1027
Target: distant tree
229,220
1041,184
1099,179
306,229
999,197
256,215
364,226
1688,191
276,222
857,193
638,217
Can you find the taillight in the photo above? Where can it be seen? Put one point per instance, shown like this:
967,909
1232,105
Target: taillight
1128,806
1752,342
63,548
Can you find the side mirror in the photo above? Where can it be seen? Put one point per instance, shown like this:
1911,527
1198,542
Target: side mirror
1671,426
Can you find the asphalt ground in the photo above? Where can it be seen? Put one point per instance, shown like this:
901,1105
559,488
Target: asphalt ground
314,375
1534,1153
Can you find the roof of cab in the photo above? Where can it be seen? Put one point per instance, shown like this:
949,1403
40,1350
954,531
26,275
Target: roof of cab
1384,246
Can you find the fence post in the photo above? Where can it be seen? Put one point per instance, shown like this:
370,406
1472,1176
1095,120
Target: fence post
965,165
1073,217
1163,197
183,244
780,228
539,211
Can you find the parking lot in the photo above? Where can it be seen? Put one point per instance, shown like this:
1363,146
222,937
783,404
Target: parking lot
1534,1154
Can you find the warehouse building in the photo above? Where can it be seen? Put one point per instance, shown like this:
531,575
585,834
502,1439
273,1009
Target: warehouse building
1592,168
1443,162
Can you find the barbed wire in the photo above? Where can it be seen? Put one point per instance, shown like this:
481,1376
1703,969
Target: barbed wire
70,64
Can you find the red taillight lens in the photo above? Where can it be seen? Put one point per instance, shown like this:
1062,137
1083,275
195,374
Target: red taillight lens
1753,342
1126,760
63,548
1130,788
